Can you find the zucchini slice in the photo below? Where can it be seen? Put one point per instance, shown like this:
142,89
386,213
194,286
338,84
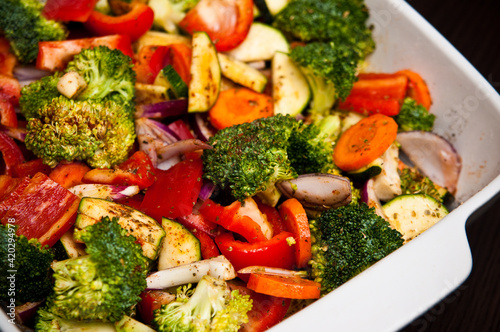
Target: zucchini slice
241,73
170,79
205,71
413,214
179,246
291,93
148,231
261,43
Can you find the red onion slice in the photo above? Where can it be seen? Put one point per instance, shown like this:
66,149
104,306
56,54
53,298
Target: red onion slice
202,127
162,109
188,145
434,156
370,198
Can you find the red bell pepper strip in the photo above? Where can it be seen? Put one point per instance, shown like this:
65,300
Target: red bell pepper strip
30,168
135,23
12,154
230,218
369,106
137,170
175,191
381,86
226,22
11,196
44,210
207,244
272,216
7,185
8,116
152,300
68,10
55,55
417,88
151,59
134,201
276,252
10,89
266,312
198,222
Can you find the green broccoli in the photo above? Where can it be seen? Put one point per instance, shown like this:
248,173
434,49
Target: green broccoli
311,147
48,322
168,13
106,283
251,157
211,306
24,26
413,182
108,73
98,132
330,70
37,94
342,22
414,117
31,263
346,241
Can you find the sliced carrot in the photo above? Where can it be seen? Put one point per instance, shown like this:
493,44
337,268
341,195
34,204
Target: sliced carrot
417,88
295,218
364,142
239,105
284,286
69,174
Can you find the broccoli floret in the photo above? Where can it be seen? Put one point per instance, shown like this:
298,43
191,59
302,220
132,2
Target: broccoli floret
168,13
24,26
48,322
330,70
346,241
106,283
311,149
413,182
250,157
98,132
414,117
108,73
209,307
342,22
37,94
31,263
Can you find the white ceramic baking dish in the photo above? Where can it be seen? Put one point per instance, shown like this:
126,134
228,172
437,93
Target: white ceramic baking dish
399,288
403,285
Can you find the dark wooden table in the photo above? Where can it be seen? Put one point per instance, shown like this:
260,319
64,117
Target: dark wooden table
473,27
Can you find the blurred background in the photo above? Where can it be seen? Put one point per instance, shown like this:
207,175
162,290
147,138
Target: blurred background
473,28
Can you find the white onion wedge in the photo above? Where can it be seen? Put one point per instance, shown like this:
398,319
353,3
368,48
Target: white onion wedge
218,267
104,191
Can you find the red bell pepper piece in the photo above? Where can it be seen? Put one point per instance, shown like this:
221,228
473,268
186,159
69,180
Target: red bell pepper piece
68,10
417,88
175,191
15,191
273,216
273,253
135,23
12,154
44,210
151,59
30,168
266,312
8,116
10,89
152,300
369,106
55,55
198,222
137,170
7,185
207,244
69,174
381,86
230,218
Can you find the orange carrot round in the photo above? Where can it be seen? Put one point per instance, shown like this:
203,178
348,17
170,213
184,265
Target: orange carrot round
239,105
417,88
364,142
295,218
284,286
